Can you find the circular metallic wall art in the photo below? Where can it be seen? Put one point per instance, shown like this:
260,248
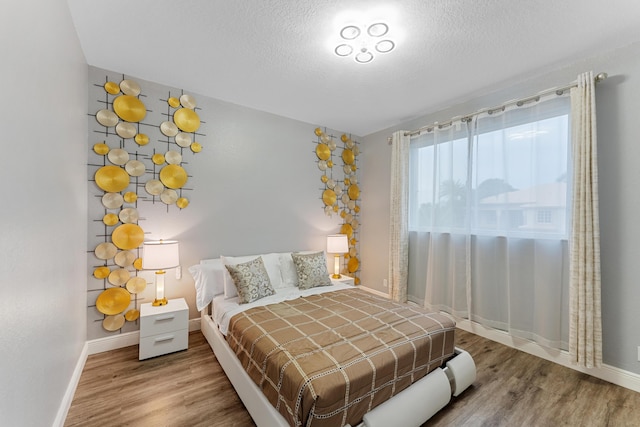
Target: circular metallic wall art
329,197
182,202
130,197
134,168
323,152
129,108
112,200
119,277
110,219
101,272
130,87
128,216
318,131
188,101
105,250
353,265
126,130
141,139
173,157
113,323
183,139
132,315
196,147
124,258
348,157
101,148
136,285
118,156
112,88
137,264
169,128
353,191
169,196
173,102
173,176
113,301
107,118
158,158
154,187
127,236
187,120
346,229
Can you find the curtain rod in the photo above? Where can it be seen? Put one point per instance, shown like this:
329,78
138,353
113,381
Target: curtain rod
519,102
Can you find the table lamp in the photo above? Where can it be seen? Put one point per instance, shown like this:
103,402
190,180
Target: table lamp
337,244
160,255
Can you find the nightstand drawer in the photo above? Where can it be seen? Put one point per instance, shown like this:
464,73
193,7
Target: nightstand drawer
159,323
163,343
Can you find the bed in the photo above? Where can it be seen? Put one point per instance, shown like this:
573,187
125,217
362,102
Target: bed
329,354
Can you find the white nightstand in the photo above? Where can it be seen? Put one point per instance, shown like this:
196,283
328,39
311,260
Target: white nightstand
163,329
345,280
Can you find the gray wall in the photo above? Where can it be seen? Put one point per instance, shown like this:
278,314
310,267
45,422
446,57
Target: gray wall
618,105
44,209
255,188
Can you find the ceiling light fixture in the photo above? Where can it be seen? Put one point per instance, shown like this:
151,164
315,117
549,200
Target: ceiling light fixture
364,43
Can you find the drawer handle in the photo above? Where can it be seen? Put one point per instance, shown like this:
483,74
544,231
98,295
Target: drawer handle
166,317
165,338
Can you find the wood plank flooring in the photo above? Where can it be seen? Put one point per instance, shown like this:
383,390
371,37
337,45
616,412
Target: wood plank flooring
189,388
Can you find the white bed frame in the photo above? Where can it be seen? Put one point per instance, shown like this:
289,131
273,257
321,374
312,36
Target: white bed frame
411,407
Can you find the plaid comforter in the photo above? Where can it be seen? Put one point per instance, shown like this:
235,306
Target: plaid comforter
327,359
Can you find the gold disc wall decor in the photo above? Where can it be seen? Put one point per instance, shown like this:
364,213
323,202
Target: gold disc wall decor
112,200
105,250
136,285
173,176
168,128
127,236
182,202
173,102
119,277
323,152
132,315
129,108
196,147
353,265
183,139
126,130
137,264
154,187
107,118
112,88
130,197
118,156
348,157
110,219
134,168
130,87
141,139
113,323
158,158
346,229
113,301
187,120
124,258
188,101
101,148
353,191
329,197
101,272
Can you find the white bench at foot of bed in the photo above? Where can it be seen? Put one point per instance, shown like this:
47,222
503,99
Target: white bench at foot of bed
411,407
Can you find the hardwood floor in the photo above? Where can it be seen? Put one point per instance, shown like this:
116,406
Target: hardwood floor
189,388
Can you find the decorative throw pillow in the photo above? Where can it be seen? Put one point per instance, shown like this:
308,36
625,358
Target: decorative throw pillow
251,280
311,270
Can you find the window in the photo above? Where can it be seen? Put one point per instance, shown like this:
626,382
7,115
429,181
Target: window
500,174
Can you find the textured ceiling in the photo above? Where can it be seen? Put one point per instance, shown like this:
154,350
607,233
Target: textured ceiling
277,55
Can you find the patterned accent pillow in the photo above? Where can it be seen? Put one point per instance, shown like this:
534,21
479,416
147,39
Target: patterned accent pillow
311,270
251,280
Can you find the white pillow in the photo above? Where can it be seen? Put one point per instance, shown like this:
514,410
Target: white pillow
209,281
271,264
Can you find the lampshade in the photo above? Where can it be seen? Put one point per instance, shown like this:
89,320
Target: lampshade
160,255
337,244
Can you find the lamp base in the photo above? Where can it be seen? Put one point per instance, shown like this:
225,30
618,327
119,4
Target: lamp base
336,276
156,302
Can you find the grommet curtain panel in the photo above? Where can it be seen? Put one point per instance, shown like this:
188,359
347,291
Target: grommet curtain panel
585,338
398,227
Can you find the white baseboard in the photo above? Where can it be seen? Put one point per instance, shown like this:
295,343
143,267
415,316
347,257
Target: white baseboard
63,410
375,292
607,373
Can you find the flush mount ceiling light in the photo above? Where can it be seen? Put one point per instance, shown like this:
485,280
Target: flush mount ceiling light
364,43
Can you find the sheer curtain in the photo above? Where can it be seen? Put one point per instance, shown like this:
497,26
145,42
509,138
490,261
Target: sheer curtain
488,222
398,229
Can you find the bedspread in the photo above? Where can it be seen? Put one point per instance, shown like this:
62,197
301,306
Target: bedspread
327,359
